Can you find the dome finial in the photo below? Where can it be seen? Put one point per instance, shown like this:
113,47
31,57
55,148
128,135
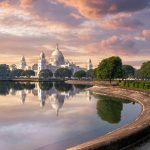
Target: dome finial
57,46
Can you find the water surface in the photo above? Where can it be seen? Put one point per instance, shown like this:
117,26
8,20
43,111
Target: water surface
55,116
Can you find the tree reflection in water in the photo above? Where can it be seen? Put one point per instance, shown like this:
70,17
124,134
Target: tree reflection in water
109,109
62,87
55,92
45,85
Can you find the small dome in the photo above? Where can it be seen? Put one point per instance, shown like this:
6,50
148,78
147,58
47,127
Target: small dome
23,58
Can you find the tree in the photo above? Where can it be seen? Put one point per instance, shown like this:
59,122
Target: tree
28,73
128,71
90,73
145,70
63,72
17,73
45,74
109,68
4,71
80,74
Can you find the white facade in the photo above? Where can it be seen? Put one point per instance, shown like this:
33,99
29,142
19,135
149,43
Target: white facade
56,61
23,63
42,62
89,65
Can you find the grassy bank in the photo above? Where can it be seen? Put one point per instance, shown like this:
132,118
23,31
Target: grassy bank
141,85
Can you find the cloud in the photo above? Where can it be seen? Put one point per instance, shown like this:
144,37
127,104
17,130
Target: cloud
146,33
4,4
26,3
96,8
118,45
121,21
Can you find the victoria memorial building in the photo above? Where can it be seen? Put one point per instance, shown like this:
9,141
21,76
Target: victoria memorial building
57,60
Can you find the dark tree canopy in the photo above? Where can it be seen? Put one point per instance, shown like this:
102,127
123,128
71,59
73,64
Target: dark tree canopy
109,68
45,74
28,73
80,74
17,73
128,71
4,71
145,70
90,73
63,72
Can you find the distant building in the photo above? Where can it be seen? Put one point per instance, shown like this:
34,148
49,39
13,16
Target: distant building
89,65
57,60
23,63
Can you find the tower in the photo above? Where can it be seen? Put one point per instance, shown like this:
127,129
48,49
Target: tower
89,65
23,63
41,62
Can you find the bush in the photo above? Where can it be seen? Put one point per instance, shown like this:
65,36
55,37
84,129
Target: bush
144,85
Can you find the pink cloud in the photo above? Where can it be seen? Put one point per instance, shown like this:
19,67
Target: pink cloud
121,21
96,8
118,45
146,33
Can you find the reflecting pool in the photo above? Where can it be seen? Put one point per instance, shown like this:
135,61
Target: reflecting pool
55,116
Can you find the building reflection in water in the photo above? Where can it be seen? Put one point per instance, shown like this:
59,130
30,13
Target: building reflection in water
55,93
23,96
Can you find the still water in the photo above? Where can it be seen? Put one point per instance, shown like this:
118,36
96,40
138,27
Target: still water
55,116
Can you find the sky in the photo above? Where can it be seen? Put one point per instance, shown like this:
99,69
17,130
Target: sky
84,29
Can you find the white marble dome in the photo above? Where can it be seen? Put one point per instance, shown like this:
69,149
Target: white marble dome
57,57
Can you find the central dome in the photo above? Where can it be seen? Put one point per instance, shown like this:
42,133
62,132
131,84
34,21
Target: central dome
57,57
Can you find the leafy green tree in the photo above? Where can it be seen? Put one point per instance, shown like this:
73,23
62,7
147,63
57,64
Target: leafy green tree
17,73
137,74
109,68
4,71
90,73
145,70
128,71
63,72
28,73
80,74
45,74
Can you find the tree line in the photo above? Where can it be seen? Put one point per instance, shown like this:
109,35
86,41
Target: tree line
112,68
108,69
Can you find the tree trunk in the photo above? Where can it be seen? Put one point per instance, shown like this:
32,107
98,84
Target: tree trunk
110,80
